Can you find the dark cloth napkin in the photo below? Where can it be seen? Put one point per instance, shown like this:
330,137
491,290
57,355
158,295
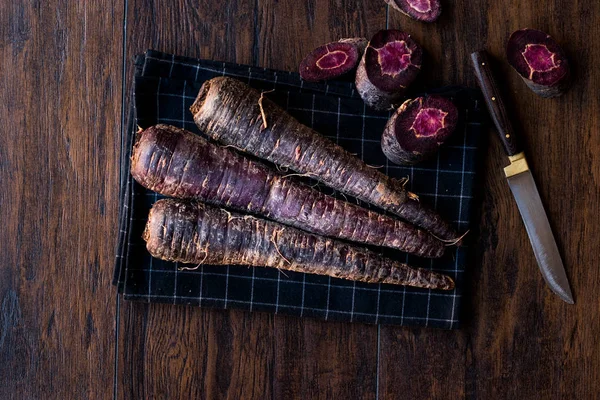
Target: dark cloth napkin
166,86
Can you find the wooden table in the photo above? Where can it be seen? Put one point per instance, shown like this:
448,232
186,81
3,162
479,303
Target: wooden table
65,81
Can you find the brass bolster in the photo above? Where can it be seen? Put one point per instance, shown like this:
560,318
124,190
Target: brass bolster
518,164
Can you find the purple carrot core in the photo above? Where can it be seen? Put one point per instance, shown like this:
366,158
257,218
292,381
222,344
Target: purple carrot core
539,58
332,60
428,122
422,6
394,57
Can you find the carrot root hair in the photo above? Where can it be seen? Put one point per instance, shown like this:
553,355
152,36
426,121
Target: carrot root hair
205,250
262,110
451,242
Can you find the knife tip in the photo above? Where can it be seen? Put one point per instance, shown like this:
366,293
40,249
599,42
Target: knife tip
564,293
567,297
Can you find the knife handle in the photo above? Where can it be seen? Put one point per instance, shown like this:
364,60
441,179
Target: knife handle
489,87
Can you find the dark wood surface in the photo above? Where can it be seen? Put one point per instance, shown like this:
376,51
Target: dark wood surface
65,77
60,107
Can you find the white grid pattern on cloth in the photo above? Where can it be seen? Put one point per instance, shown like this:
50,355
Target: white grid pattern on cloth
369,288
216,299
407,315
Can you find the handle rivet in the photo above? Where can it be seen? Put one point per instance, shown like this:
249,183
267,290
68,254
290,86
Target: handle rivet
507,135
493,99
482,63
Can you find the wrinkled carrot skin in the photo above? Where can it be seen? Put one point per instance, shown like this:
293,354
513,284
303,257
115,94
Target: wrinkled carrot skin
228,111
199,233
179,163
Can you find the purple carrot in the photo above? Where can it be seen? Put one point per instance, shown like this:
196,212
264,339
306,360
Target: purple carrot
234,114
540,61
418,128
333,60
201,234
390,64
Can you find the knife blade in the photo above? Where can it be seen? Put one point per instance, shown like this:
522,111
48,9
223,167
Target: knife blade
540,234
522,185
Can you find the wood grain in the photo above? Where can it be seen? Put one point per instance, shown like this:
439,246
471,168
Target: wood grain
60,90
188,353
522,341
314,360
422,364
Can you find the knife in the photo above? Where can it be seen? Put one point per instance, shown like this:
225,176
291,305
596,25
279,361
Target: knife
522,185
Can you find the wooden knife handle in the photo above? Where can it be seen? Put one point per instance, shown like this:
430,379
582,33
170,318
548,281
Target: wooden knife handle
489,87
